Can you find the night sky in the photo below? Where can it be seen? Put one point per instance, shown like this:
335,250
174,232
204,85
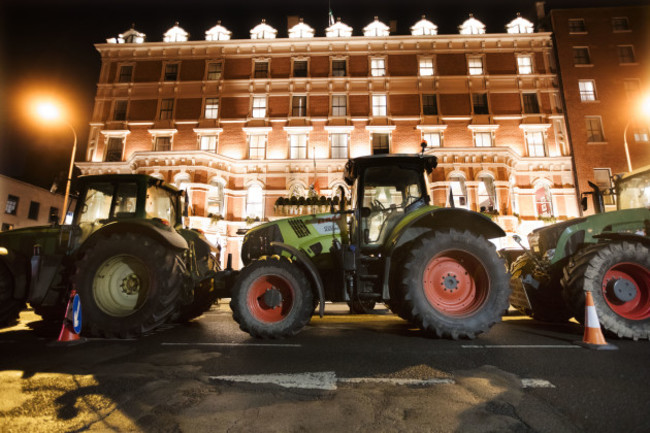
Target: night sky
48,45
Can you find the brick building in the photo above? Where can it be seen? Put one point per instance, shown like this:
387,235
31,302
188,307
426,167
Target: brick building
241,123
27,205
604,64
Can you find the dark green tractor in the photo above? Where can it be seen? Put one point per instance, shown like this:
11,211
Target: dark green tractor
607,254
433,266
126,254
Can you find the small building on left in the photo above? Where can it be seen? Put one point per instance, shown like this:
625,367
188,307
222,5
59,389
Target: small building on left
25,205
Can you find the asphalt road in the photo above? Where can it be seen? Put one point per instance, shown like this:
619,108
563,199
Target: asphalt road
365,373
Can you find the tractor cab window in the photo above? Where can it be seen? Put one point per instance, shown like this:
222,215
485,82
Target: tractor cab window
126,199
635,192
161,204
97,203
388,194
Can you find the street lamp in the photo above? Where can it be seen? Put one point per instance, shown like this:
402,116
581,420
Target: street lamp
645,110
52,113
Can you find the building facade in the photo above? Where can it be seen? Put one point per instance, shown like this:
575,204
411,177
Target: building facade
604,63
242,123
27,205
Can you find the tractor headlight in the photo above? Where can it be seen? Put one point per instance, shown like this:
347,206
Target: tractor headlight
549,254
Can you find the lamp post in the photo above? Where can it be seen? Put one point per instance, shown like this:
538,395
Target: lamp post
51,112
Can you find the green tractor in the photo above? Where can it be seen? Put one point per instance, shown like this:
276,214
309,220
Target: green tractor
607,254
433,266
126,254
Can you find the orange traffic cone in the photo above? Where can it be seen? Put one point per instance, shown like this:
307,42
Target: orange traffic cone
67,330
593,338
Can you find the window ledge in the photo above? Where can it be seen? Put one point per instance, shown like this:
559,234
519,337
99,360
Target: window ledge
581,65
597,142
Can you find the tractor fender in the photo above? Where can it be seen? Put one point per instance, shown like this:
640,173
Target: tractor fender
630,237
430,218
167,237
304,260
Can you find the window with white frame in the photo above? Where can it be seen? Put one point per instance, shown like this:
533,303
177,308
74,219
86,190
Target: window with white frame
378,67
171,72
126,74
298,146
640,133
162,143
259,107
209,142
166,109
214,70
458,192
215,199
255,202
339,143
535,143
433,138
114,148
257,146
379,105
380,143
530,102
626,54
119,109
339,68
261,69
603,178
543,201
581,56
577,25
482,139
300,68
11,208
595,132
525,64
429,105
299,106
426,67
620,24
339,105
475,65
487,194
480,103
587,90
211,108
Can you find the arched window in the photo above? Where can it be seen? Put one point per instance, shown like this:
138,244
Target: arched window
543,201
297,190
255,202
458,191
487,193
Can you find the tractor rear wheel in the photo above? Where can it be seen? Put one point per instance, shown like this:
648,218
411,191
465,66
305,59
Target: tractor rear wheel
128,284
546,303
618,276
272,298
454,284
9,307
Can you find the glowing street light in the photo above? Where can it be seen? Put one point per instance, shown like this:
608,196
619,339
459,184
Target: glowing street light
51,112
645,111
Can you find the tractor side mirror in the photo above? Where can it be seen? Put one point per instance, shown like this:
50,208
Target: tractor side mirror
584,203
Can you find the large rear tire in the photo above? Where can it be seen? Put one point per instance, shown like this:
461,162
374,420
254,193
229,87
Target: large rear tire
546,302
618,276
272,298
454,284
128,284
9,306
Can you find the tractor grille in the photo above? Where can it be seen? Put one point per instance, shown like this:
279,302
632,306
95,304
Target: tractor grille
299,228
258,242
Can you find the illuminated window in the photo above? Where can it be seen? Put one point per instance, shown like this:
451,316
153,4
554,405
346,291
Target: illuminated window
114,148
215,200
11,208
424,27
433,139
218,33
255,202
458,192
263,31
119,109
426,67
376,28
379,105
162,143
126,74
475,65
257,146
301,30
482,139
171,72
535,143
339,105
487,194
480,103
338,30
587,90
214,70
339,68
520,25
175,34
620,24
300,68
298,146
594,130
543,201
166,109
339,143
641,134
380,143
472,26
211,108
626,54
525,64
577,25
531,105
209,143
581,56
429,105
299,106
259,107
377,67
261,69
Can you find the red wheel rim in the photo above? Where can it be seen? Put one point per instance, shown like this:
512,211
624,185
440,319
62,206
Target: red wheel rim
270,286
455,283
637,308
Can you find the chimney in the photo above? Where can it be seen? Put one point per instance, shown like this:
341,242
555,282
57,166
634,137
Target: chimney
539,7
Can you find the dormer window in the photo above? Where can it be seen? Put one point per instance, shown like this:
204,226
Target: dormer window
338,30
520,25
263,31
175,34
218,33
131,36
376,28
301,30
472,26
424,27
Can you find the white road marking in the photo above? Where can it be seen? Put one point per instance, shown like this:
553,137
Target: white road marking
519,346
396,381
234,344
536,383
325,380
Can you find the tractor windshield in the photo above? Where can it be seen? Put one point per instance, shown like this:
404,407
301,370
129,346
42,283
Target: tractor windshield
634,192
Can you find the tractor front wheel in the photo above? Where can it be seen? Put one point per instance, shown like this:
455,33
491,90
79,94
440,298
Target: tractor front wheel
128,284
618,276
272,298
454,284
